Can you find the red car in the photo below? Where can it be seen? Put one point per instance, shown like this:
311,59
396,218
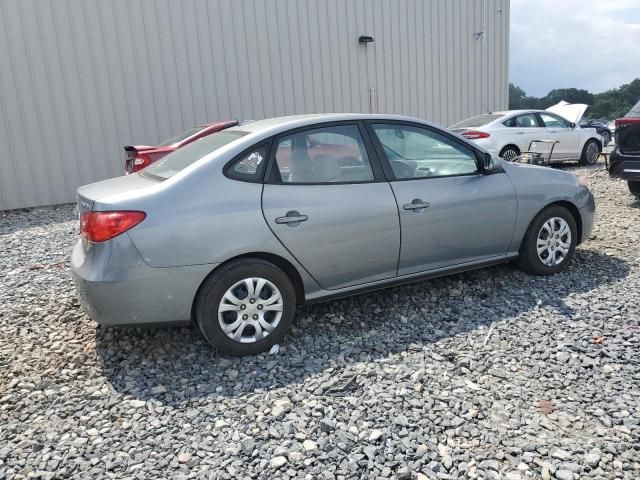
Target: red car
139,156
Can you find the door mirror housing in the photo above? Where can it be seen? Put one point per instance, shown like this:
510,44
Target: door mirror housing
491,163
572,125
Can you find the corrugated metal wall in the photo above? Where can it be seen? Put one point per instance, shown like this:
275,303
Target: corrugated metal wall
81,78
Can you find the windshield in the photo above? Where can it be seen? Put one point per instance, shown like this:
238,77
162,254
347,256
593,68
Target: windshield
182,136
185,156
478,120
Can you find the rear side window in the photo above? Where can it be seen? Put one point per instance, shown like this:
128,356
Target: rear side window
249,166
527,120
334,154
185,156
477,121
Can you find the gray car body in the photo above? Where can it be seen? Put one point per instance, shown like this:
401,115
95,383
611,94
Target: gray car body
358,236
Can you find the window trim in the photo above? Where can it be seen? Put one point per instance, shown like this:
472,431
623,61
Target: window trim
227,169
386,164
272,173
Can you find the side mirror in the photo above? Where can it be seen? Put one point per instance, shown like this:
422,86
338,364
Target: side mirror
491,163
572,125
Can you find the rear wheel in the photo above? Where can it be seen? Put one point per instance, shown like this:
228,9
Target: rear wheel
634,187
509,153
246,307
590,153
549,242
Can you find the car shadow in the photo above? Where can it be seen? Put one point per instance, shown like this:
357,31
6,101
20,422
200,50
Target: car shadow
176,365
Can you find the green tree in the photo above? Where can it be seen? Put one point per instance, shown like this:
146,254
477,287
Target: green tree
611,104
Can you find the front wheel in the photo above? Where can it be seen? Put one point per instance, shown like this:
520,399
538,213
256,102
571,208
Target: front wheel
246,307
549,242
634,187
590,153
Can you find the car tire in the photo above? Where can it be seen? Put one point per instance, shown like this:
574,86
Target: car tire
509,153
221,302
553,258
634,188
590,153
606,138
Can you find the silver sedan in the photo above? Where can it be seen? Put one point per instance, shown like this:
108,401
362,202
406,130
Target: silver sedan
237,229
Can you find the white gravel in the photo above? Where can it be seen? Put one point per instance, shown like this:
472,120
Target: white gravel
490,374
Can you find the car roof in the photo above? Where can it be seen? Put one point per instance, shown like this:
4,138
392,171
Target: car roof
511,112
278,124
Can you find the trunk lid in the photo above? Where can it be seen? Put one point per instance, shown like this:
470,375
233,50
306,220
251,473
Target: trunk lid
96,195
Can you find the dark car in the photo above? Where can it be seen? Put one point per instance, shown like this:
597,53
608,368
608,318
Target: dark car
624,161
138,157
600,127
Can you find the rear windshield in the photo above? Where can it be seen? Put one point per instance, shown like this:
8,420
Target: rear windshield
478,120
181,136
185,156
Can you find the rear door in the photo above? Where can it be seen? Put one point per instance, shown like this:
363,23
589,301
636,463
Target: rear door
328,203
568,138
526,128
450,213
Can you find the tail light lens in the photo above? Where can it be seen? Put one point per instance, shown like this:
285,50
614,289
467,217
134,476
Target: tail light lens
102,226
474,135
137,163
140,161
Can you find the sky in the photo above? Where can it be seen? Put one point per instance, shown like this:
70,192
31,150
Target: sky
590,44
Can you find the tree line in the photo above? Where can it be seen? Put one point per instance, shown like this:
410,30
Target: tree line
614,103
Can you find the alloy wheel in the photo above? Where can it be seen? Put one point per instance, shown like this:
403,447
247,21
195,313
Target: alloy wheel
250,310
554,241
606,138
509,155
592,153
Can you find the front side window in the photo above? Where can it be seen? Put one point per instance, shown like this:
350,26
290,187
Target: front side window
527,120
551,121
183,157
333,154
415,152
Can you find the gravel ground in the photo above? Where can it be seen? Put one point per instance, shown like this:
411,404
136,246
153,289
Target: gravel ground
490,374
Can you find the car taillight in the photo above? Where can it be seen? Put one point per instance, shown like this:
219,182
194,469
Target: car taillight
102,226
140,161
474,135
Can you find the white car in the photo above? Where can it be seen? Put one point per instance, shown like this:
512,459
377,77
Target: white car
511,132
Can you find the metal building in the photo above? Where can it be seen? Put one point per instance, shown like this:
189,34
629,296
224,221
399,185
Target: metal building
81,78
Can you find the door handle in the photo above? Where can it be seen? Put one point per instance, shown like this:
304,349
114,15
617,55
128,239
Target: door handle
292,218
416,204
553,131
519,133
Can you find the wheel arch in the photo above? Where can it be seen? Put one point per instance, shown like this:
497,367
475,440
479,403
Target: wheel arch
597,140
512,145
575,213
286,266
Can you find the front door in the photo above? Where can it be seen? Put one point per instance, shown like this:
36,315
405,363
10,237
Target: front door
558,129
329,206
450,213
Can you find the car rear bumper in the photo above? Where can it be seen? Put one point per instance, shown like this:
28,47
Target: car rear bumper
116,287
624,166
